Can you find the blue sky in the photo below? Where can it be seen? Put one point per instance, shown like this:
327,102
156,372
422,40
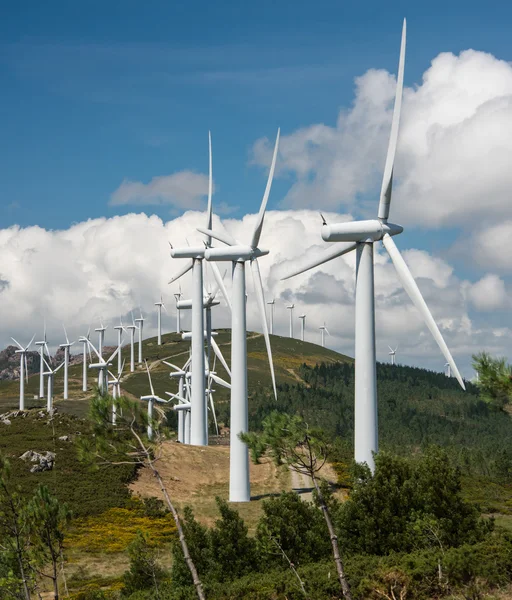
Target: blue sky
98,93
93,93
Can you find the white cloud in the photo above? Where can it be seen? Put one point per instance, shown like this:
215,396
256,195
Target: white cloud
489,293
453,158
490,246
183,190
107,267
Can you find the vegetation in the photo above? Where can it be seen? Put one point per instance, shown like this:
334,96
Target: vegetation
494,379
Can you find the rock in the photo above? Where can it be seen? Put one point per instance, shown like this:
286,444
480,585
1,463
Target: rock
64,438
45,461
6,421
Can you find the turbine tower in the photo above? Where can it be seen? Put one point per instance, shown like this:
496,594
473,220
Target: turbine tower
302,326
177,297
323,330
392,353
290,307
239,254
361,236
85,341
101,337
50,375
448,369
42,347
140,327
159,315
23,368
199,416
119,328
132,329
151,398
272,304
66,348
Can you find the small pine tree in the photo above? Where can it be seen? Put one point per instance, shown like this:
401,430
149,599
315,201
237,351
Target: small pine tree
144,573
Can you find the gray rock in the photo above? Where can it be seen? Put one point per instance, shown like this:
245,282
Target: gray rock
44,461
64,438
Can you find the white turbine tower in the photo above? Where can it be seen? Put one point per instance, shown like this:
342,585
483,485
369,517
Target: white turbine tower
177,297
272,304
119,328
140,326
392,353
199,416
290,307
361,236
116,389
23,368
131,328
50,375
302,326
43,346
102,365
151,398
448,369
159,316
101,337
66,348
323,330
239,254
85,349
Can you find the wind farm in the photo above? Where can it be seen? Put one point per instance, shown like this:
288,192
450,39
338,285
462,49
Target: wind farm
333,425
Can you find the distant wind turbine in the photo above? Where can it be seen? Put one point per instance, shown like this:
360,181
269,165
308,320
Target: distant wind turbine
140,327
272,304
392,353
323,330
159,315
23,368
302,326
290,307
66,348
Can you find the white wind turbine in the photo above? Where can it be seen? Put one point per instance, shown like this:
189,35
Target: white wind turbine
239,254
140,326
101,337
116,389
50,381
131,328
119,328
392,353
102,366
323,330
66,348
159,316
290,307
199,417
85,349
448,370
151,398
43,346
177,297
23,368
302,326
272,304
361,236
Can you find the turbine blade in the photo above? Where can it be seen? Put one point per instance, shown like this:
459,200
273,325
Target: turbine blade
117,350
210,190
213,412
46,363
30,343
26,368
220,282
412,289
220,381
61,365
17,344
223,237
390,348
182,271
149,376
327,331
65,333
171,365
258,288
330,253
261,215
387,178
217,351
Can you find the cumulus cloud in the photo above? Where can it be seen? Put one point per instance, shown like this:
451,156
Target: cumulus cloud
489,293
453,157
183,190
105,268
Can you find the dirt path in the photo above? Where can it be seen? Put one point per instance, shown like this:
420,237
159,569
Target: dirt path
303,485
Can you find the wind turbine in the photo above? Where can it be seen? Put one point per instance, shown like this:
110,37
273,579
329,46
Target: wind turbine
50,375
42,347
290,307
116,389
272,304
323,330
302,326
239,254
66,348
23,368
361,236
85,342
119,328
392,353
198,416
177,297
151,398
102,365
101,337
448,369
132,329
140,326
159,314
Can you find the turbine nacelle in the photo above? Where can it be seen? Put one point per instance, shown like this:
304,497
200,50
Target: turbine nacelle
187,335
187,304
195,252
238,253
371,230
